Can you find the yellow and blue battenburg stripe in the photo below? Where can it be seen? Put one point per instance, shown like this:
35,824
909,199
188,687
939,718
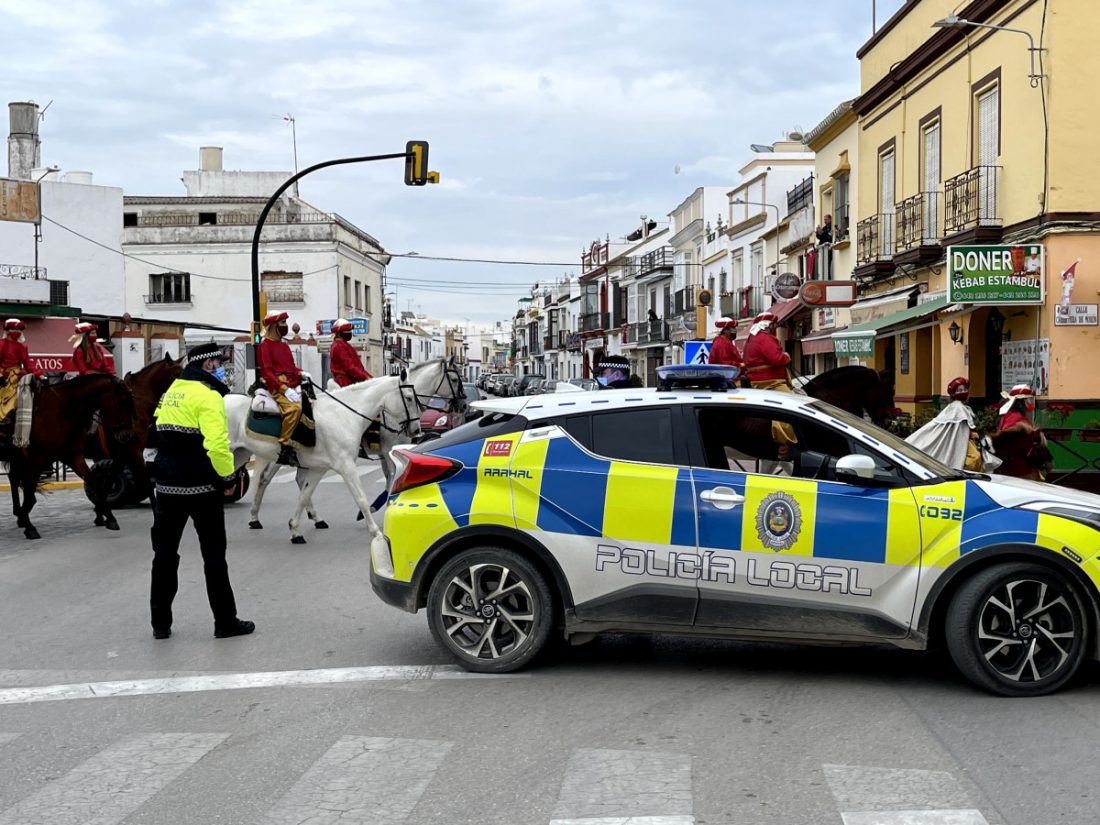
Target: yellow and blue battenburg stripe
550,484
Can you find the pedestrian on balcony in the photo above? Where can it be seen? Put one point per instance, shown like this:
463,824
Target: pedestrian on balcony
653,315
344,360
825,232
89,356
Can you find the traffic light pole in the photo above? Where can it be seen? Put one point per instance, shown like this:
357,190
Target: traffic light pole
271,204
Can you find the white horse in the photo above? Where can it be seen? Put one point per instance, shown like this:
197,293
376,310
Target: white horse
341,418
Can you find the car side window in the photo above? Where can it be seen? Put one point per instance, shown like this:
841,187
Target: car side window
634,435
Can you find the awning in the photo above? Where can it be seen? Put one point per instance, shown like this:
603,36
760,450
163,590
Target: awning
858,340
819,344
784,309
881,306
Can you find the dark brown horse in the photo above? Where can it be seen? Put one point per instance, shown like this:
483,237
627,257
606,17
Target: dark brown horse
63,414
858,390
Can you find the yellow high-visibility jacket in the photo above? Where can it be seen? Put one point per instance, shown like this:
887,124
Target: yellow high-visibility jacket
192,437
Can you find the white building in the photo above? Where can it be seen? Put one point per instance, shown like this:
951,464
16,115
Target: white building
695,244
756,206
191,258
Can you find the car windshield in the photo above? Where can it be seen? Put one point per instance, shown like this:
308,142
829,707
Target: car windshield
888,440
437,403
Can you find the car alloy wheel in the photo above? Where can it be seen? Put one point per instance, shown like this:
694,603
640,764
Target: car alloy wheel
1017,630
491,609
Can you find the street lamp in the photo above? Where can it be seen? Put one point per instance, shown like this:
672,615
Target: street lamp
953,21
743,202
38,223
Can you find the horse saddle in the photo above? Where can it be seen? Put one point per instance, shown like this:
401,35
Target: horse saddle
265,420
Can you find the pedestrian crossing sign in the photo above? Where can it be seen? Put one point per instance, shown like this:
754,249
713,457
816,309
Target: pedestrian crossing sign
696,352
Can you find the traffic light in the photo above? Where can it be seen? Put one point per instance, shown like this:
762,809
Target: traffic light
416,163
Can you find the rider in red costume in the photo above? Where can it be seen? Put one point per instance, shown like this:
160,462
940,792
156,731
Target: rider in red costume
343,359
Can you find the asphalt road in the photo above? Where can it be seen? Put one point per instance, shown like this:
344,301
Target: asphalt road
342,710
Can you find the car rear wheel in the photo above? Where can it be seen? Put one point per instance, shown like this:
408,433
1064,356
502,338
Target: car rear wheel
491,609
1017,630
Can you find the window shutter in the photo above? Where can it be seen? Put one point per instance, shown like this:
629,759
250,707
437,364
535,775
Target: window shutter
988,126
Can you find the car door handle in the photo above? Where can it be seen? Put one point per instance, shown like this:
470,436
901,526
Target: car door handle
724,498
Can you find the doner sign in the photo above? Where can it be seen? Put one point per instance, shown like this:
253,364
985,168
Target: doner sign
19,201
995,274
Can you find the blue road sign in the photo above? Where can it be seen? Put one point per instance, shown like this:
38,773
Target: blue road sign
696,352
360,326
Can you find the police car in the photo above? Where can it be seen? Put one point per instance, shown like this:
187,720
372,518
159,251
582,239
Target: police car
667,510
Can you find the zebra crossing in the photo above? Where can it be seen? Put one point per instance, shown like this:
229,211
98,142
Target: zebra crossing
361,779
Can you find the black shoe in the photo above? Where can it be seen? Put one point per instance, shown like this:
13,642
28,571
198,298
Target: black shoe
239,627
162,632
287,456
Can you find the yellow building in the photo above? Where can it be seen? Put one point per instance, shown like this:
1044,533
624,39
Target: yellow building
968,137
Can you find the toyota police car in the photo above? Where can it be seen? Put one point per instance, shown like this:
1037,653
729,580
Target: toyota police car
666,510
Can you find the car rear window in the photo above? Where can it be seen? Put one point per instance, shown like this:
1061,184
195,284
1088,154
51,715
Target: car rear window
489,425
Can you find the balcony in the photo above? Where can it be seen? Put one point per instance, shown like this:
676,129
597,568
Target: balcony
875,246
840,222
649,333
653,261
572,341
801,196
971,206
728,305
24,284
917,229
594,321
550,343
823,263
683,301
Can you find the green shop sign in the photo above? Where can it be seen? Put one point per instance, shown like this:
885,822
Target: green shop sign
860,345
995,274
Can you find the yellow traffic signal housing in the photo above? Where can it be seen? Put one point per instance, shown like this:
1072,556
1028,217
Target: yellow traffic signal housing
416,163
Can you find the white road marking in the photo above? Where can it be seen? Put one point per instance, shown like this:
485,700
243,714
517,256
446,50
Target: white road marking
114,783
620,786
362,780
964,817
628,820
892,796
239,681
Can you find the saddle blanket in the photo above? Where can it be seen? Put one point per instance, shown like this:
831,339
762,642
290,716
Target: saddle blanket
265,426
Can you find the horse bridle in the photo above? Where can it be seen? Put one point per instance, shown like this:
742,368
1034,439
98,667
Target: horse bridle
380,420
453,380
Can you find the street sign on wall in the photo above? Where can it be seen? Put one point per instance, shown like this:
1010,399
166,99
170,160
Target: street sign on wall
1026,362
995,274
19,201
1076,315
359,326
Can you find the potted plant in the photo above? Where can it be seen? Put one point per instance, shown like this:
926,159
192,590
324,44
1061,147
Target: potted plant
1091,431
1058,412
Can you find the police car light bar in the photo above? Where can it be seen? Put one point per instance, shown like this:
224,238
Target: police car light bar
718,377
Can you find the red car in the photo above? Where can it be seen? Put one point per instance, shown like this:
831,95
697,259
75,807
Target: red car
437,419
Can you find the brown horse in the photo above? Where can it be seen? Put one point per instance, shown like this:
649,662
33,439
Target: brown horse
147,385
63,414
856,389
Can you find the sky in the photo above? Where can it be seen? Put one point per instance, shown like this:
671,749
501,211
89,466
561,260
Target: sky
551,123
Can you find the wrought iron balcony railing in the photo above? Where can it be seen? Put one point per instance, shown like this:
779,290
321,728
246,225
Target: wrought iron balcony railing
970,199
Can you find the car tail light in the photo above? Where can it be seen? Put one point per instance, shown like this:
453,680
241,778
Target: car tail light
421,468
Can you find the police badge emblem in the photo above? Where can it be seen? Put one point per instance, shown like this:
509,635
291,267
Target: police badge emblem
778,521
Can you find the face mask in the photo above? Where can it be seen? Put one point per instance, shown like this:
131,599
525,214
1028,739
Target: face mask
602,380
283,329
219,373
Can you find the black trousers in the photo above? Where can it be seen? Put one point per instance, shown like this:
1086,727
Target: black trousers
170,515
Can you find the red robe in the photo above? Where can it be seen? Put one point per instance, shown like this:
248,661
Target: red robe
724,351
1013,417
276,365
345,364
15,354
765,360
96,362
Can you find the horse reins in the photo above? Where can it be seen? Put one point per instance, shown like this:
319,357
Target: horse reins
381,419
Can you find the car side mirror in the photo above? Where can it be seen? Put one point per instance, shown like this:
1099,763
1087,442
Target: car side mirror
855,469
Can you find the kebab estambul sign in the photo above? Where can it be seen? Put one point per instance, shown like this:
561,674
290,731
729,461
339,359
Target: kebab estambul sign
995,274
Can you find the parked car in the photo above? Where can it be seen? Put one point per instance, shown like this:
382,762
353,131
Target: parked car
536,387
524,383
437,418
584,383
504,385
656,511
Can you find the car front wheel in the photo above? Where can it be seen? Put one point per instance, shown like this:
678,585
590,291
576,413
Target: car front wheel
1017,630
491,609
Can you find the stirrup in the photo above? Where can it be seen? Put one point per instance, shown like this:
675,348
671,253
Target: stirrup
287,456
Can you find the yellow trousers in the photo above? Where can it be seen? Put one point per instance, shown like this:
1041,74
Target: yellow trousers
782,432
8,392
291,413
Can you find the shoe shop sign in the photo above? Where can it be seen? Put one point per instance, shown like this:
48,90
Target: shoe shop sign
995,274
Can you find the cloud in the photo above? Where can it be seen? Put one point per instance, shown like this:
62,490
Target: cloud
551,123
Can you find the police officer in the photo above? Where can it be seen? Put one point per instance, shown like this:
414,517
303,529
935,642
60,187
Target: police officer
193,473
613,373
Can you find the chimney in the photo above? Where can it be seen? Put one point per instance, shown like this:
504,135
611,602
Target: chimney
210,158
24,147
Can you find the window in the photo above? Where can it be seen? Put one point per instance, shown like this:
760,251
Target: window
634,435
930,180
129,219
710,283
989,149
757,266
722,281
169,288
738,264
886,201
358,295
840,207
282,287
347,291
208,218
366,298
736,438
